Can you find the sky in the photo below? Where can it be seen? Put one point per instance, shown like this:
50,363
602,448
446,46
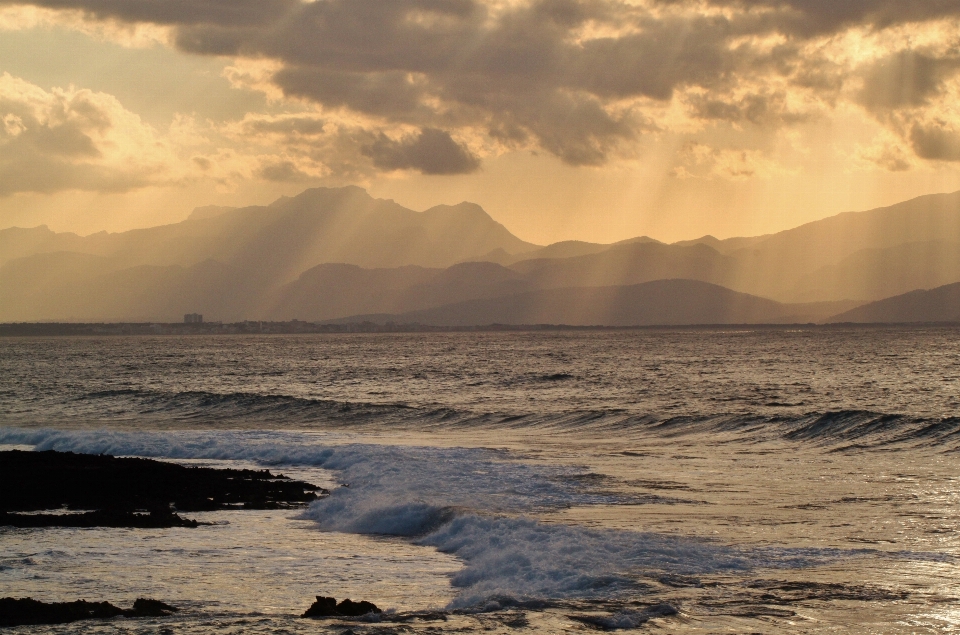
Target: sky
595,120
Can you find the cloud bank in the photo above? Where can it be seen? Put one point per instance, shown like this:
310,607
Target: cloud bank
433,86
74,139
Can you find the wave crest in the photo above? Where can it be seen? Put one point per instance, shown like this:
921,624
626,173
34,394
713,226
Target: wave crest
862,428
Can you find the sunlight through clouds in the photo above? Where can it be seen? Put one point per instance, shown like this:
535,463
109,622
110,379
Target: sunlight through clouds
366,92
76,139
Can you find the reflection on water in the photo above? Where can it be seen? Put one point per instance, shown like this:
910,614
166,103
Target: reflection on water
848,526
250,562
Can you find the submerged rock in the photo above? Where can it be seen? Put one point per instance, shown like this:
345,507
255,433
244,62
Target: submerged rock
356,609
27,611
144,607
328,607
626,619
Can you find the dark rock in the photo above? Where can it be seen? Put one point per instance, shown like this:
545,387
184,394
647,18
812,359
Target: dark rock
35,481
26,611
356,609
323,607
328,607
17,612
144,607
156,519
626,619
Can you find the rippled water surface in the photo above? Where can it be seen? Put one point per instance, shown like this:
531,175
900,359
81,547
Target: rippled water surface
680,481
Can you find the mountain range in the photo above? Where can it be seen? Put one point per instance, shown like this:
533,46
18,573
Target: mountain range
340,254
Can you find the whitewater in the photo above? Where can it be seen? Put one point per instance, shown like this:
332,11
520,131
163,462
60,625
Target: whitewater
690,480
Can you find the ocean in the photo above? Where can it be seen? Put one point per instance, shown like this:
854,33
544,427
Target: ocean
681,481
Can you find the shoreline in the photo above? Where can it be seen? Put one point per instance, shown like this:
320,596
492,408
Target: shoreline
297,327
107,491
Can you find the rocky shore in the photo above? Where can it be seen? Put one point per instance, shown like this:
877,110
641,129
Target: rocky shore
27,611
329,607
131,492
156,519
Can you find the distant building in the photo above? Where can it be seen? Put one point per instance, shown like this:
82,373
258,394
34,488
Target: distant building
192,318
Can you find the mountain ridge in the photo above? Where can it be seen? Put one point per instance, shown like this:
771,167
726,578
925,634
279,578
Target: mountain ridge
941,304
329,253
673,302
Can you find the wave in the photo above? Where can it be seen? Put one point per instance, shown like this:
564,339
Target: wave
473,503
844,429
236,406
374,476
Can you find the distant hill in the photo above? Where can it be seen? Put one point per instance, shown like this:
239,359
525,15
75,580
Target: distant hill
661,302
631,263
779,265
18,242
257,250
93,290
880,273
291,235
929,218
562,249
330,253
209,211
335,290
860,256
936,305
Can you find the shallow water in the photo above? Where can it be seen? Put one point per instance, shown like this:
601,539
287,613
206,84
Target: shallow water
758,481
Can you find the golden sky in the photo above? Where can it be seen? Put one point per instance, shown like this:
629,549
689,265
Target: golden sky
565,119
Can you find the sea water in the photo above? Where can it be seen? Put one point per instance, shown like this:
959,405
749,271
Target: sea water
688,481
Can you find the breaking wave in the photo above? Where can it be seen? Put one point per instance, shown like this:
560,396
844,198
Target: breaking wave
477,504
856,429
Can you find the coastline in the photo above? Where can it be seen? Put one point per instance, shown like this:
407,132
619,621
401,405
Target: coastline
297,327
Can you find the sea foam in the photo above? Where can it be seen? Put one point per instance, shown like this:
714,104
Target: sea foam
474,503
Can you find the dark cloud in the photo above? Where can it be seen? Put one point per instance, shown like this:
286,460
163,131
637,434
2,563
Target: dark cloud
575,127
431,151
906,79
831,15
389,93
283,171
449,63
64,132
758,109
653,63
815,17
350,35
291,126
64,140
178,12
935,141
525,73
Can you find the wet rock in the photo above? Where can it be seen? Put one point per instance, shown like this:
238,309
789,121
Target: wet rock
27,611
119,487
625,619
144,607
17,612
356,609
157,519
323,607
328,607
422,616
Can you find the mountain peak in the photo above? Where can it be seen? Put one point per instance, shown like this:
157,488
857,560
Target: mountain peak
209,211
461,210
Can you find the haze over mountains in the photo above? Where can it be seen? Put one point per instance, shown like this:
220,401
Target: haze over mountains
329,254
